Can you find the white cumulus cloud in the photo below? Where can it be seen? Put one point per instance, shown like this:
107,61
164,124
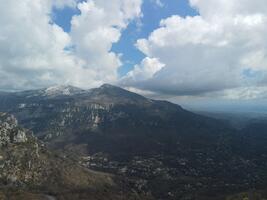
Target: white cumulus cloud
95,31
148,68
209,52
35,52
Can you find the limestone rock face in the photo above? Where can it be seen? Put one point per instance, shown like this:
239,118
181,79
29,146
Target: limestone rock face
20,137
18,152
10,133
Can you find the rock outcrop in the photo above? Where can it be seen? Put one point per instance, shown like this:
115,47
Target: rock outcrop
10,133
29,171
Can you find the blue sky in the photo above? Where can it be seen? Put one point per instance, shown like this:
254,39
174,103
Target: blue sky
152,15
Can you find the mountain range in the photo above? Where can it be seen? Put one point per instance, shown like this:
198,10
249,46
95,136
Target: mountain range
159,149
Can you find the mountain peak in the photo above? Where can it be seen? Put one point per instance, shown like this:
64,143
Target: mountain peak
111,94
107,85
110,87
66,90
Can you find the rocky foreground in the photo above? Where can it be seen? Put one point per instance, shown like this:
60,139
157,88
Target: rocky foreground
29,171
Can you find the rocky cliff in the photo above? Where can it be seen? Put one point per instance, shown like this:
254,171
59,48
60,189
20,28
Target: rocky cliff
29,171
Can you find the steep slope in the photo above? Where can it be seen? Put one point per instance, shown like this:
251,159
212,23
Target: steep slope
29,171
111,119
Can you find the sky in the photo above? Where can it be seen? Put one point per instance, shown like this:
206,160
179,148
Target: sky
194,52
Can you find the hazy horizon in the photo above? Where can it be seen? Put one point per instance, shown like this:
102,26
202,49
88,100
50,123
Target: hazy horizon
201,104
